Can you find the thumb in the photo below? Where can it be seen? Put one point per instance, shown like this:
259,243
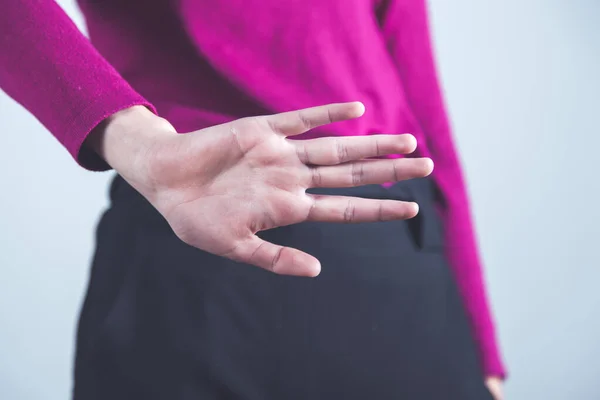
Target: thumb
278,259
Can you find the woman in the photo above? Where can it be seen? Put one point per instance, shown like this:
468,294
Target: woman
171,309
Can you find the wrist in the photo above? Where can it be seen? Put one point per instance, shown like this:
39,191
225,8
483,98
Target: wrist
125,139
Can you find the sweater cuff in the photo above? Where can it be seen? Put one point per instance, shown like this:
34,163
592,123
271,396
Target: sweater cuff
90,117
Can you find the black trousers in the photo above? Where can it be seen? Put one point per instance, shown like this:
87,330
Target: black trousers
163,320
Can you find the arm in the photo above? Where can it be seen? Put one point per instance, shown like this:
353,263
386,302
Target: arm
52,69
406,28
213,199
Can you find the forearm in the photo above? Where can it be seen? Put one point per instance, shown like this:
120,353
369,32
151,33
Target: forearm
51,68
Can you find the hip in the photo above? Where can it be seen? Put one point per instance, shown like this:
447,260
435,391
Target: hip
377,319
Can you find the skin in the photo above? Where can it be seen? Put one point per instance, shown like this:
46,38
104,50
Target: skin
219,186
494,384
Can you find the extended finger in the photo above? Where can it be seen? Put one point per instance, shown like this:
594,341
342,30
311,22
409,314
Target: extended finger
355,209
300,121
278,259
366,172
337,150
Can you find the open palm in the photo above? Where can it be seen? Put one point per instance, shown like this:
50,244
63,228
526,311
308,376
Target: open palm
219,186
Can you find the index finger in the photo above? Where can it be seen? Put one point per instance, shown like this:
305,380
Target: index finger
297,122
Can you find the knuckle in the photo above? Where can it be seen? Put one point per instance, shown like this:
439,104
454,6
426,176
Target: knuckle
380,214
358,173
276,259
303,154
341,152
349,212
305,121
317,177
329,116
395,170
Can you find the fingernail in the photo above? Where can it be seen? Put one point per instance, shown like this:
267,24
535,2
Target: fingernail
430,164
361,108
416,207
412,142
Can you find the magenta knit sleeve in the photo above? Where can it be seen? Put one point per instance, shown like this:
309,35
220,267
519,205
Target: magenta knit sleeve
51,68
406,28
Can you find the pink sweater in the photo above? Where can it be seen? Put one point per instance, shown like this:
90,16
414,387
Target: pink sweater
203,62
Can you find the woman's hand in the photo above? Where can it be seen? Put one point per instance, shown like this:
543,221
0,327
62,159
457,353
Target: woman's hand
494,384
219,186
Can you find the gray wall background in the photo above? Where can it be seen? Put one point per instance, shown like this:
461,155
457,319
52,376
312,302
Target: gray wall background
522,84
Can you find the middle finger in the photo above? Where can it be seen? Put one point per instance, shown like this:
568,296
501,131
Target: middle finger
367,172
338,150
